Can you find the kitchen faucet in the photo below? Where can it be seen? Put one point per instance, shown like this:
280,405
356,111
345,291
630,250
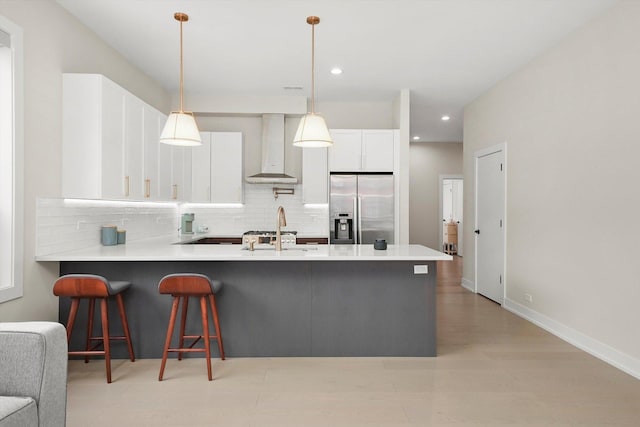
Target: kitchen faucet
282,222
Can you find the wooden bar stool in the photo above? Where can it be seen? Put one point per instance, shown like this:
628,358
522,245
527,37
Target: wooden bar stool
92,287
182,286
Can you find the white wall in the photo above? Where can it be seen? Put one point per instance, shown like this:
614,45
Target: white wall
429,160
357,115
570,122
402,121
55,43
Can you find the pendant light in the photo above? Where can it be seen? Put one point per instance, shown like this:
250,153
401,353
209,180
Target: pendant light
312,130
181,128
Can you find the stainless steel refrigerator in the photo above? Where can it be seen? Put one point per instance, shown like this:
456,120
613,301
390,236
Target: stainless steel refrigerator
361,208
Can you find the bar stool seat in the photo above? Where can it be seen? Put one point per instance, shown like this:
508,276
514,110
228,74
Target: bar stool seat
182,286
92,287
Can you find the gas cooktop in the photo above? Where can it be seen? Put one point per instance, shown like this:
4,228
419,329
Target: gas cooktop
267,233
268,238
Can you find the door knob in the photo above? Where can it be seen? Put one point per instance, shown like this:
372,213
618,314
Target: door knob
476,231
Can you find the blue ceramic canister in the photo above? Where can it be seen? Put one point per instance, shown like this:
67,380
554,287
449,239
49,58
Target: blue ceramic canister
122,237
109,235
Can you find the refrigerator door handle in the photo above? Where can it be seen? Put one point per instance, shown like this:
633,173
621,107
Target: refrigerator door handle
359,220
355,221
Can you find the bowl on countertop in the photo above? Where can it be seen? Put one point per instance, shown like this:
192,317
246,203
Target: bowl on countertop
380,244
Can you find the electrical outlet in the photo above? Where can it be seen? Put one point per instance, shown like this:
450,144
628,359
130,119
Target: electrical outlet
420,269
528,298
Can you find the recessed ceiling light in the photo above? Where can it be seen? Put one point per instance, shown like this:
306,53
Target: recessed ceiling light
336,71
415,138
445,118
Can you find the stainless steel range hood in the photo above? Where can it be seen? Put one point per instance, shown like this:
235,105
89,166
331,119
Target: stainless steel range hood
272,153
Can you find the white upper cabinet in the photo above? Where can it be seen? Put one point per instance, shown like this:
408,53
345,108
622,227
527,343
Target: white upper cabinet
377,150
110,142
361,150
201,170
174,172
153,123
180,173
133,147
217,168
315,175
165,166
92,137
227,171
346,152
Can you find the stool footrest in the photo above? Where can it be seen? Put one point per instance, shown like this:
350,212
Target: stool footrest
211,337
187,350
86,352
111,337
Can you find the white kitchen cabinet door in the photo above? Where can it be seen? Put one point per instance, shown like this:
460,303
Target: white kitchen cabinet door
201,170
377,150
315,175
153,122
180,173
133,148
346,152
92,141
227,181
165,167
112,141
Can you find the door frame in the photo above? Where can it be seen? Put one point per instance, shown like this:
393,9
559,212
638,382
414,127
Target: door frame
441,179
476,155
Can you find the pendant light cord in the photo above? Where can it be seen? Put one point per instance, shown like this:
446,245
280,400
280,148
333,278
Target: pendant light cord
181,73
313,67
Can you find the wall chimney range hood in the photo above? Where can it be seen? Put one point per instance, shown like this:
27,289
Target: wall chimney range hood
272,171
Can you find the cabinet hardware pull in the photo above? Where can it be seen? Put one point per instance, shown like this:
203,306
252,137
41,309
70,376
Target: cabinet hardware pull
147,188
175,192
126,186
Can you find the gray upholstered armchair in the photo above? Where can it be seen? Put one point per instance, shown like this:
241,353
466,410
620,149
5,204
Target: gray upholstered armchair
33,374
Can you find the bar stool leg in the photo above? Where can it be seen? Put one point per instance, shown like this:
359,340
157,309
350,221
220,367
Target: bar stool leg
104,311
125,326
205,333
92,305
75,302
167,343
216,324
183,321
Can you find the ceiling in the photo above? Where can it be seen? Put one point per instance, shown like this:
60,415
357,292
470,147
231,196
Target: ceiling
446,52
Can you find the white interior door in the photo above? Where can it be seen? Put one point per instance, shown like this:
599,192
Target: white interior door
490,212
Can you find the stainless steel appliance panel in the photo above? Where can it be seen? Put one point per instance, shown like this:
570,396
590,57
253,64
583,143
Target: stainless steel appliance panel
375,208
365,204
344,192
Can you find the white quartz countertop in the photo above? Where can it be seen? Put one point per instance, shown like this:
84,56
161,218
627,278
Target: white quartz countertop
167,249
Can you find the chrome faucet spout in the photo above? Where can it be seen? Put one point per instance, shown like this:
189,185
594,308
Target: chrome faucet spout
281,222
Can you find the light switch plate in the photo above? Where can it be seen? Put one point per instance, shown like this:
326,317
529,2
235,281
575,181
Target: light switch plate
420,269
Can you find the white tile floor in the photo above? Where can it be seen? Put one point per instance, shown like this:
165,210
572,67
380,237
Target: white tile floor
492,369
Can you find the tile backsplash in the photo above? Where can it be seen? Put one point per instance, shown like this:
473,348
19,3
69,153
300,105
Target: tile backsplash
259,213
67,224
64,224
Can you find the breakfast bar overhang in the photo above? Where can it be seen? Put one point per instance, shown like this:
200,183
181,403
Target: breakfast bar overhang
324,300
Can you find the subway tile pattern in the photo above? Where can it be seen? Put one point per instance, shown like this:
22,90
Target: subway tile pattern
259,213
64,225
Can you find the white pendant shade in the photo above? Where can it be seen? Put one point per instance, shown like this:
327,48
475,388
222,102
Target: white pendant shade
181,129
312,132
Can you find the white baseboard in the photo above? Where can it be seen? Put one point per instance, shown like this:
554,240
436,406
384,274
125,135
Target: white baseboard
602,351
468,284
